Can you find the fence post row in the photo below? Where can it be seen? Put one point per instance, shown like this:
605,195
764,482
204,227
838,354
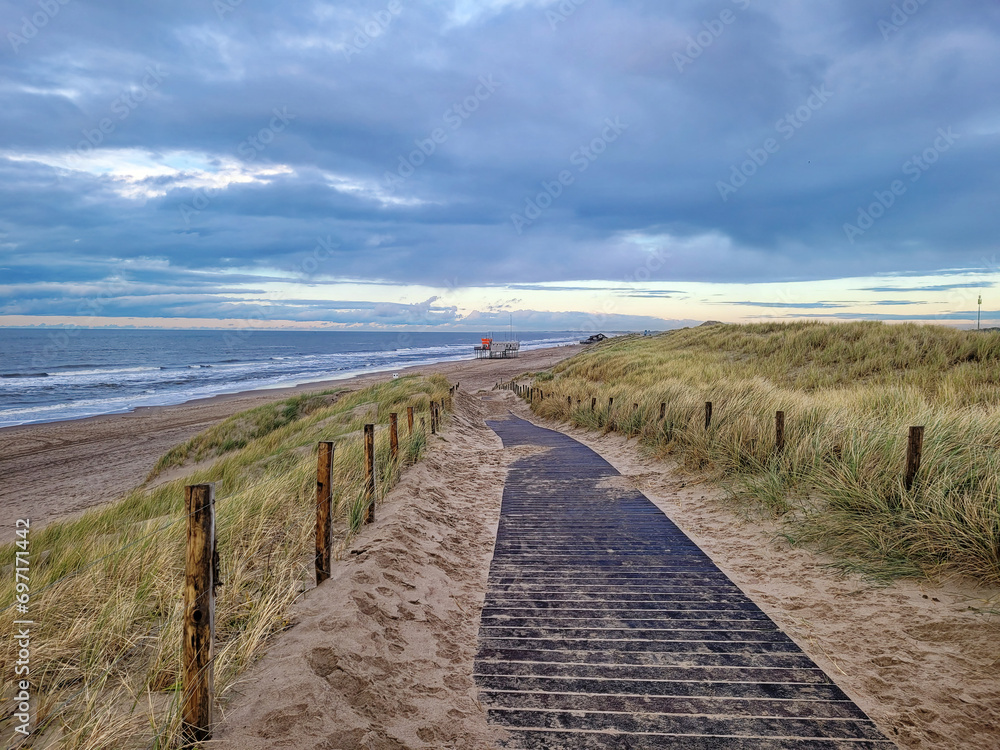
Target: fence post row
324,511
369,473
199,613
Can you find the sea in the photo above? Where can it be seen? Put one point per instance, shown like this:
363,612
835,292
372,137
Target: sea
49,375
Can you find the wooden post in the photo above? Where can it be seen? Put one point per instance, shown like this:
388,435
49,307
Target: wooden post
393,437
593,403
708,414
611,402
914,449
199,613
569,402
779,431
635,407
663,410
409,419
433,420
324,511
370,473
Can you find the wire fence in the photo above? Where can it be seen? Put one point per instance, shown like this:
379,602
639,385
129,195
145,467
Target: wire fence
718,415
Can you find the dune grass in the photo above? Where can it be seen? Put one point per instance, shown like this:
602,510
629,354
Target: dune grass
850,392
105,663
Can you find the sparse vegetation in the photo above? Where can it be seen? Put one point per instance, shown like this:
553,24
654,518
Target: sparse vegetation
109,636
850,391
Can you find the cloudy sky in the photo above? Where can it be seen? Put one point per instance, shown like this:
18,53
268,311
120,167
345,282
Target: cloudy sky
584,164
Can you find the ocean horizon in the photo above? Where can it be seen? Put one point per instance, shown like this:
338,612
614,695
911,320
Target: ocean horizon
53,374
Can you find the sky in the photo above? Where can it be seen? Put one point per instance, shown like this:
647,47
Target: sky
452,164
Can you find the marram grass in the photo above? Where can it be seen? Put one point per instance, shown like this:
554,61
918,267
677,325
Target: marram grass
850,392
106,648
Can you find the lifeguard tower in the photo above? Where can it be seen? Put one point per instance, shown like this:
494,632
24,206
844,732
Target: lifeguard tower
491,349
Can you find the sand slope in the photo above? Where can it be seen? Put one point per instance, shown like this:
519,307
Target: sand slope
381,655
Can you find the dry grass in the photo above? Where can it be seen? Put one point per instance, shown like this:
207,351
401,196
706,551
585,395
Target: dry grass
105,662
850,392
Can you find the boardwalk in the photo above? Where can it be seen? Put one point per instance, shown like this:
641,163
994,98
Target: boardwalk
606,627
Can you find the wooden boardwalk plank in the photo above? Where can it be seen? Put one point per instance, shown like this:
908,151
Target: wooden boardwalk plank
606,627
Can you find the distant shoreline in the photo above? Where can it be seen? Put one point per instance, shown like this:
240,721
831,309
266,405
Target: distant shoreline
54,470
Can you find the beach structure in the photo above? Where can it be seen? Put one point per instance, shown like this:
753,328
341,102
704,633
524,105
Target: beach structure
491,349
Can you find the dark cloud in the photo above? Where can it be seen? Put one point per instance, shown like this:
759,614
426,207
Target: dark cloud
240,140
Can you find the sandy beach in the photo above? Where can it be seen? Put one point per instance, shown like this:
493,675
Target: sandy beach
59,469
381,656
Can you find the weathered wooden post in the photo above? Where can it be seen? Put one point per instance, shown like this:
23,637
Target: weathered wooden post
914,449
324,511
409,420
433,420
393,437
708,414
779,431
370,473
199,613
663,410
611,402
569,403
593,403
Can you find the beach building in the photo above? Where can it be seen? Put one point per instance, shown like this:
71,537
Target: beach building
491,349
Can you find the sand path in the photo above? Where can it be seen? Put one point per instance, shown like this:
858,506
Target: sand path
383,654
